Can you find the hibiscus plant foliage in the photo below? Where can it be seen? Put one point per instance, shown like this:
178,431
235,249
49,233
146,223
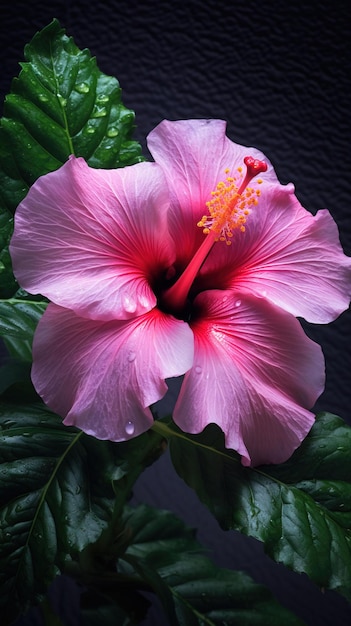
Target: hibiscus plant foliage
64,493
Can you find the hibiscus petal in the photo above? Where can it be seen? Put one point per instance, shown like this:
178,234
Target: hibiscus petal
194,155
286,255
294,258
93,240
255,374
102,376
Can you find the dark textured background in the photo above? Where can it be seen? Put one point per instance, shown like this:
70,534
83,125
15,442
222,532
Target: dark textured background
280,75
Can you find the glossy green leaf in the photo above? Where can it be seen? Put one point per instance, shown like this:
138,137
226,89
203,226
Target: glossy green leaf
18,321
57,495
300,510
60,104
8,284
164,553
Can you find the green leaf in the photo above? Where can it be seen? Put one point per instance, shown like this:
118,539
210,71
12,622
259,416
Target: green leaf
300,510
57,496
13,371
18,321
164,553
8,284
61,104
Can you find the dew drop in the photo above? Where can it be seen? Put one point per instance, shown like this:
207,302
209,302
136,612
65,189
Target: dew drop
82,88
99,112
62,100
90,130
238,303
198,369
43,98
129,304
102,98
131,357
129,428
112,132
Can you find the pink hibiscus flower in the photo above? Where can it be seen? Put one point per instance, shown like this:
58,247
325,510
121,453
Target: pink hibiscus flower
195,264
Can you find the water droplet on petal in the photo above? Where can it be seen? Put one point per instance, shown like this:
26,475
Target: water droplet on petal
129,304
198,369
238,303
131,357
129,428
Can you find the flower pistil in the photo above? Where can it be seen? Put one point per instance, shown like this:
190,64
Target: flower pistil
229,208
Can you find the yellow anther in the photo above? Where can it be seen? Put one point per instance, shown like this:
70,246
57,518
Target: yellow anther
230,206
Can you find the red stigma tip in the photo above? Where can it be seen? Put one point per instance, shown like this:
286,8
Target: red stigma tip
254,166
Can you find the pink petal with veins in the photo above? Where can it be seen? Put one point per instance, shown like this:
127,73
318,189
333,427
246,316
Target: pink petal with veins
255,374
194,155
103,376
94,240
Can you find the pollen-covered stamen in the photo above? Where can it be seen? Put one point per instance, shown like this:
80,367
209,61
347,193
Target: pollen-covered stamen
229,208
232,201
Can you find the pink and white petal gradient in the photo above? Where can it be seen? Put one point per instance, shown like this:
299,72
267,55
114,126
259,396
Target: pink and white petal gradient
255,374
286,255
103,376
92,240
194,155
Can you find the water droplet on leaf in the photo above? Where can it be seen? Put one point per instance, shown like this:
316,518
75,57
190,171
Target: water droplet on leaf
99,112
112,132
82,88
102,98
62,100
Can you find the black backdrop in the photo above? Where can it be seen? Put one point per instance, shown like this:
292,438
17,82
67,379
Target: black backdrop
279,73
